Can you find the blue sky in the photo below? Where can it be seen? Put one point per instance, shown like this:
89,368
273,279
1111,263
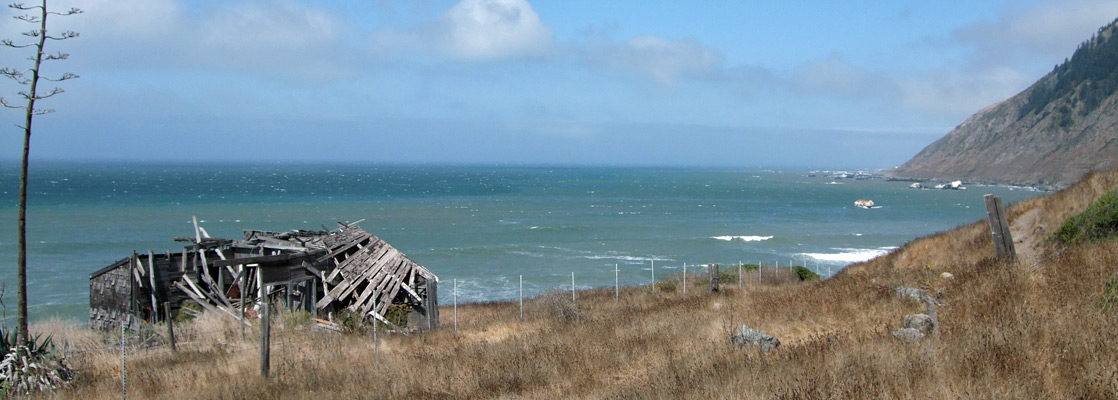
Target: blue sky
852,84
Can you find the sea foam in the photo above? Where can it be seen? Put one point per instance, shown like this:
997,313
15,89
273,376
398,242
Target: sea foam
850,255
742,238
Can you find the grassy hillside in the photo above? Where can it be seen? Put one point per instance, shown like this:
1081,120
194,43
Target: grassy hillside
1038,327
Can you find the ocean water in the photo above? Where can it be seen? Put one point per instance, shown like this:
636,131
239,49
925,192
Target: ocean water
482,226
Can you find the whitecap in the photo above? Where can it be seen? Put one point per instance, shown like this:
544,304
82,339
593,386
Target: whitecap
850,255
742,238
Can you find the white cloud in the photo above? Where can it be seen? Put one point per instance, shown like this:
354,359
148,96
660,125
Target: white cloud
494,29
666,61
1049,30
263,37
474,31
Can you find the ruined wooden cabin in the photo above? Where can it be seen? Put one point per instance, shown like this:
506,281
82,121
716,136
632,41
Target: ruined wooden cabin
321,272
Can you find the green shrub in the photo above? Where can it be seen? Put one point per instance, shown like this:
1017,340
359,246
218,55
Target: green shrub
805,274
665,286
187,311
728,275
1098,221
397,314
749,267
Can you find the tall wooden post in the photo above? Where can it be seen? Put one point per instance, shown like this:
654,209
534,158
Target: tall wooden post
244,280
265,333
170,325
999,226
713,268
432,304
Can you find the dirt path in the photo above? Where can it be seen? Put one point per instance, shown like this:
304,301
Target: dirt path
1028,235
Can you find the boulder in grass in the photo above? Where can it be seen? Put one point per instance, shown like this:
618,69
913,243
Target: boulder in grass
920,322
747,337
910,293
909,335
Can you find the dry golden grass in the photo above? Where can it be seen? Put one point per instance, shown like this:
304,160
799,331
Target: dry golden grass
1025,329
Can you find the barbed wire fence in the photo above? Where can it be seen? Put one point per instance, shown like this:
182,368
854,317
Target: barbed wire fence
282,342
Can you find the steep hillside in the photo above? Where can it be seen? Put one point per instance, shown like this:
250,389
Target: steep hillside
1064,125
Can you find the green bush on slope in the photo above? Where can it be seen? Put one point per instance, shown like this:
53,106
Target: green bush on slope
1098,221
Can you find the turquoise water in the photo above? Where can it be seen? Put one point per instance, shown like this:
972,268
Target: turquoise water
484,226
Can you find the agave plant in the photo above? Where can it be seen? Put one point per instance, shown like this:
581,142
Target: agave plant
35,367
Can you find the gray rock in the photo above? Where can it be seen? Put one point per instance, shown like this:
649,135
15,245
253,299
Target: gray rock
747,337
909,335
920,322
910,293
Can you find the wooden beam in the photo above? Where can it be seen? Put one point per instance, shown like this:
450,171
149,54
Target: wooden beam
197,234
217,290
151,278
382,319
267,259
197,297
408,289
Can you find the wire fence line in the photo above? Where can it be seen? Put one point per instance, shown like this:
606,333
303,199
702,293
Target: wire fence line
291,334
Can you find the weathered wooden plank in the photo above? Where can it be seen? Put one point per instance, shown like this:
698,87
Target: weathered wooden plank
193,286
374,314
387,288
197,234
999,226
217,290
372,273
408,289
344,248
369,273
198,298
354,264
151,278
378,271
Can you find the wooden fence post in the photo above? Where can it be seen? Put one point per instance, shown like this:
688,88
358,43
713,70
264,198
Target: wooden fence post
265,332
713,268
170,325
999,226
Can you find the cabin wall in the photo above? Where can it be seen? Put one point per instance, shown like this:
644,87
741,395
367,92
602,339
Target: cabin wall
110,297
116,295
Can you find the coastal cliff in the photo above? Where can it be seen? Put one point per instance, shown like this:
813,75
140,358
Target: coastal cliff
1051,134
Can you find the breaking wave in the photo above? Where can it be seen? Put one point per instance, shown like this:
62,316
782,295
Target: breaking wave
850,255
742,238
